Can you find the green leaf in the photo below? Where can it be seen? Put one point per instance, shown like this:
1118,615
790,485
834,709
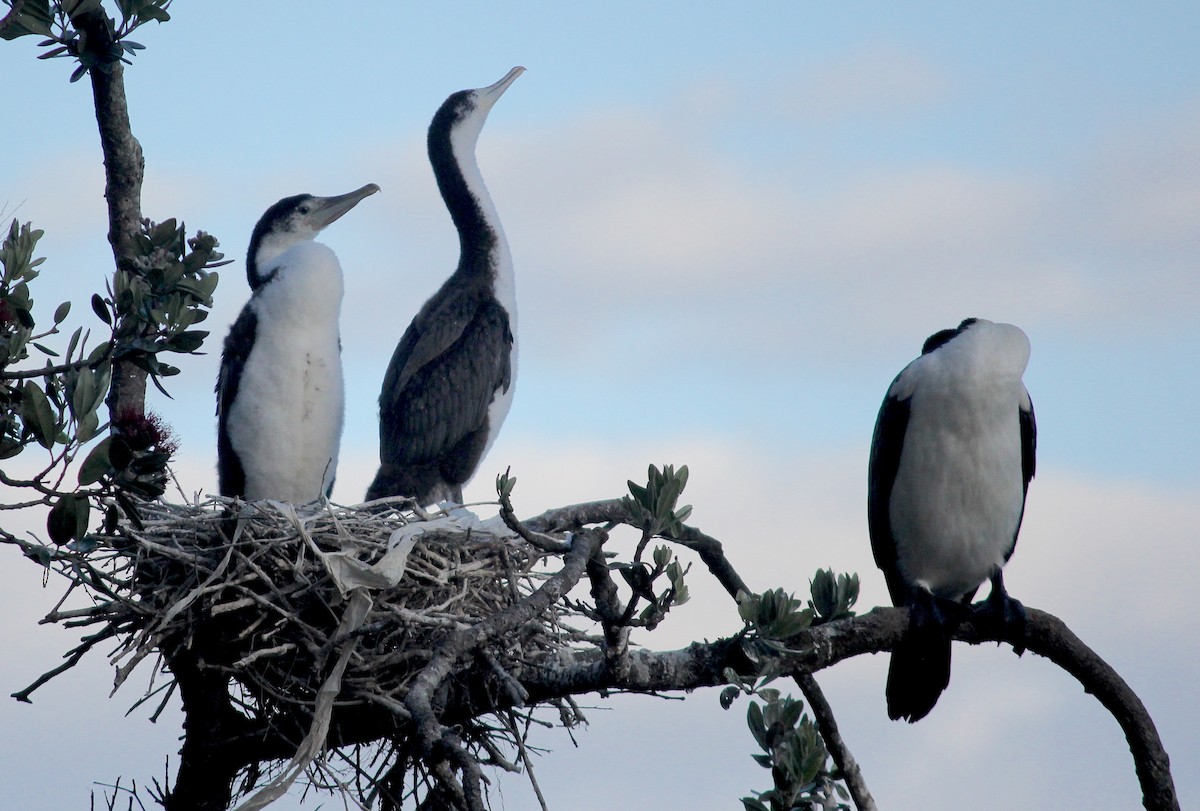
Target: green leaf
84,396
68,519
62,312
188,341
165,233
119,453
103,379
662,556
758,728
100,308
150,462
505,483
34,18
87,427
791,711
96,465
73,7
38,414
98,352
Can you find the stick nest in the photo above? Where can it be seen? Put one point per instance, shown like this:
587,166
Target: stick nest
280,597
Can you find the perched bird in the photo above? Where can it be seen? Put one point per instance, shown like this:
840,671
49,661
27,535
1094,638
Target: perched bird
280,391
951,461
450,381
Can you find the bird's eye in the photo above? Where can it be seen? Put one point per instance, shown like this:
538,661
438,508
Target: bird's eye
304,209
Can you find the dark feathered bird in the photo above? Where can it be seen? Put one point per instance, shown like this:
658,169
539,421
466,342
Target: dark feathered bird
951,460
280,394
449,385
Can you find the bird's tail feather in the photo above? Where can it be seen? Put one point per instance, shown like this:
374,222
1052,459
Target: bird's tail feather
918,673
421,482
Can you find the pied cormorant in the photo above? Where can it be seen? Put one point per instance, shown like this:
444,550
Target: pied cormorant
951,460
280,392
450,382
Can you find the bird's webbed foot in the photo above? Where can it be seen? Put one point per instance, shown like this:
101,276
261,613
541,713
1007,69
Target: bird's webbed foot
1003,614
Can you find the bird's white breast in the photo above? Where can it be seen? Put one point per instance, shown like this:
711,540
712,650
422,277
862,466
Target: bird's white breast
957,499
506,294
286,422
503,280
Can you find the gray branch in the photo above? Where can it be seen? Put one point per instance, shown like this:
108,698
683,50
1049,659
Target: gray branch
124,168
703,665
838,750
438,741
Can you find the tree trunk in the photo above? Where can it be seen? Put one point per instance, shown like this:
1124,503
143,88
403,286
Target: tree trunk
124,168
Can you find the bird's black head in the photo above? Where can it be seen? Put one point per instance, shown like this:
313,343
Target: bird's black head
462,115
453,110
293,220
940,338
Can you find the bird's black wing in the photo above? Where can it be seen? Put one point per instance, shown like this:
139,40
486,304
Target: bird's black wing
1028,459
231,477
886,445
442,378
435,329
1028,442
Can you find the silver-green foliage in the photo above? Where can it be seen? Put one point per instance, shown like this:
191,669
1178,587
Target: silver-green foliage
791,743
53,399
54,22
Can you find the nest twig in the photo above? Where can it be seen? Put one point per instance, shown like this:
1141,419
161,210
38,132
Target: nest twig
313,614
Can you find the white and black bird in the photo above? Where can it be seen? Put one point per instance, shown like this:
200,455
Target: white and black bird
951,460
280,396
449,384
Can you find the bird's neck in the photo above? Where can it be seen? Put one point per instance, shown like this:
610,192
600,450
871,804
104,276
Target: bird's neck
484,252
305,286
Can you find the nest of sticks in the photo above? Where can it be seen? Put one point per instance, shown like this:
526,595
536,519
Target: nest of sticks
312,612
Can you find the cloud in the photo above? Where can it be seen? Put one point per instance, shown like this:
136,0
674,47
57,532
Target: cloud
1142,182
870,81
640,224
633,228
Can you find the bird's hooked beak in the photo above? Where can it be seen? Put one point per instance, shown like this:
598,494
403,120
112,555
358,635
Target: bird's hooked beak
328,209
487,96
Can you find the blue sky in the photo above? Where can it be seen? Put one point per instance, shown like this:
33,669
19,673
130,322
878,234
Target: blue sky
731,225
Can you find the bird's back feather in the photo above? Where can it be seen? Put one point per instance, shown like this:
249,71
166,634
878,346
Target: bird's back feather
452,362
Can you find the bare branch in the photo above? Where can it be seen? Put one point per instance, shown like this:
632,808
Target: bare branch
47,371
841,754
703,665
437,740
124,168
